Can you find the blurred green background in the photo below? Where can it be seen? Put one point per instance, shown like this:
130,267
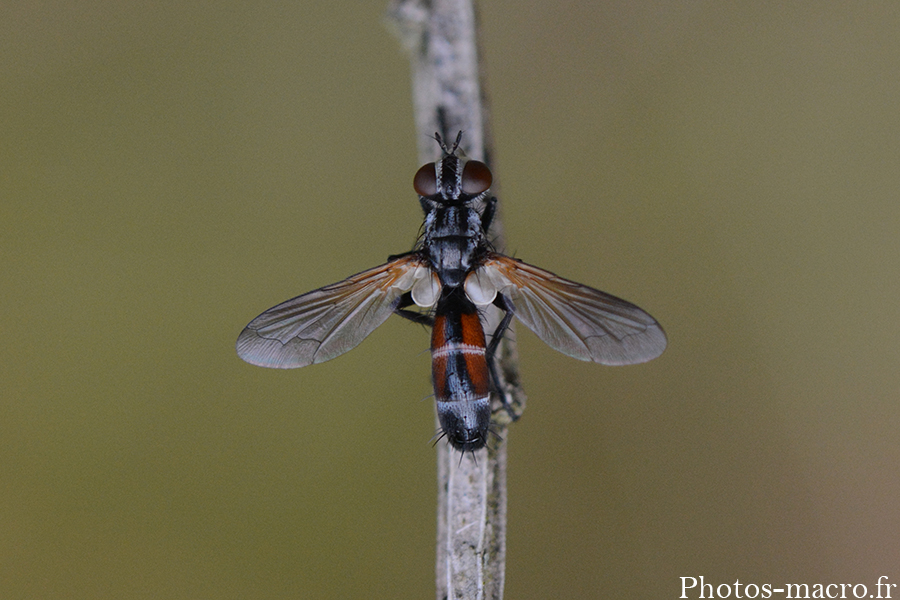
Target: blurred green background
168,170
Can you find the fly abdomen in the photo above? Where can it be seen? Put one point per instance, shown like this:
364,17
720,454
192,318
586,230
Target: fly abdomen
460,372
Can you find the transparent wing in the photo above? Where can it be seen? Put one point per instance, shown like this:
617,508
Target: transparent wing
574,319
327,322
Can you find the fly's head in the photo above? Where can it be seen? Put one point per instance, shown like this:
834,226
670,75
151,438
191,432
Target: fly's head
454,179
465,424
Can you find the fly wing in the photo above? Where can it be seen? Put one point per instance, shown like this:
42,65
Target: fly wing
574,319
329,321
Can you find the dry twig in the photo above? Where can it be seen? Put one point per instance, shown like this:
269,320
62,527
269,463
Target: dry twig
441,37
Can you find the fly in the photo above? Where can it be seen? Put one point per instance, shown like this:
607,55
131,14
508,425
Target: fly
453,274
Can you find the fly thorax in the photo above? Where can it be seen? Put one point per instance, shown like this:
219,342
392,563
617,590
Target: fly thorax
453,240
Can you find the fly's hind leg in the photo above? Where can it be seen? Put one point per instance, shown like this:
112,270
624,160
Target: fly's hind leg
503,303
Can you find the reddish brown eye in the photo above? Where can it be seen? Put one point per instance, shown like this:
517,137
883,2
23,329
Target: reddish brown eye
425,181
476,177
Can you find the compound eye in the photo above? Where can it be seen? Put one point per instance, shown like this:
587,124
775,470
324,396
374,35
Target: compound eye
425,181
476,177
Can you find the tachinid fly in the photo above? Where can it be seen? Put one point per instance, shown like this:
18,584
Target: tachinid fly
453,273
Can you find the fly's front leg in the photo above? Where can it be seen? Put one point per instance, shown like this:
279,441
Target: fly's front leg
504,304
416,317
487,217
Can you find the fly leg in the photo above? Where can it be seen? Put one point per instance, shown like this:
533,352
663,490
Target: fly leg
503,303
394,257
487,216
416,317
